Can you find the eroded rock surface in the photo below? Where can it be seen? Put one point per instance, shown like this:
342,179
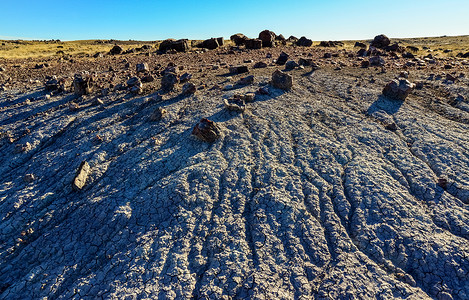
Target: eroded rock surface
325,191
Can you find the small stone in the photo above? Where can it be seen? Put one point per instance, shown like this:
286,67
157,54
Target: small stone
290,65
148,78
239,69
29,178
73,106
206,130
249,97
398,89
259,65
188,88
282,59
327,55
305,62
136,89
98,102
282,80
235,104
81,176
246,80
143,67
185,77
134,81
404,74
447,67
450,77
158,114
377,61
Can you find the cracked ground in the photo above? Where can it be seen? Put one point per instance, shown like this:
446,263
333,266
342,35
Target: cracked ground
308,194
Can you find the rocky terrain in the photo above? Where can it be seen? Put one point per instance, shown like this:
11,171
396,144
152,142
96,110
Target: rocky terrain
209,174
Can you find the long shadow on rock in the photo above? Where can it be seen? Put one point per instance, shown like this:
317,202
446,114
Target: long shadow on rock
390,106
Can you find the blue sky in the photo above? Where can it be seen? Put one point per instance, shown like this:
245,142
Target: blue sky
156,20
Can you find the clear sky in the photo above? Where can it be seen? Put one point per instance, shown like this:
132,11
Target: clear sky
156,20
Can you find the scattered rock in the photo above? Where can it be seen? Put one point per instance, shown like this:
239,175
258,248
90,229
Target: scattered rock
185,77
377,61
305,62
259,65
211,44
407,55
239,39
143,67
181,45
365,63
246,80
206,130
116,50
158,114
380,41
82,84
451,78
169,80
331,44
304,42
52,84
360,45
133,82
235,104
29,178
81,176
398,89
188,88
148,78
253,43
282,59
282,80
267,37
291,64
239,69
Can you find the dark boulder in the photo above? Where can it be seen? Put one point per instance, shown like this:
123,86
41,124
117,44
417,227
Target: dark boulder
179,45
239,69
210,44
330,44
116,50
82,84
359,45
282,59
253,43
304,42
239,39
282,80
380,41
267,37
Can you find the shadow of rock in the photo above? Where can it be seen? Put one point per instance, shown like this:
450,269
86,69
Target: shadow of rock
390,106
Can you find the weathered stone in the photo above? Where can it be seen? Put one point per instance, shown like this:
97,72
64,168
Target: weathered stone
305,62
235,104
259,65
380,41
81,176
398,89
206,130
282,80
268,38
239,69
133,81
116,50
359,45
246,80
169,80
82,84
220,41
377,61
158,114
331,44
253,43
407,55
29,178
304,42
148,78
239,39
52,84
185,77
211,44
290,65
282,59
188,88
181,45
142,67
